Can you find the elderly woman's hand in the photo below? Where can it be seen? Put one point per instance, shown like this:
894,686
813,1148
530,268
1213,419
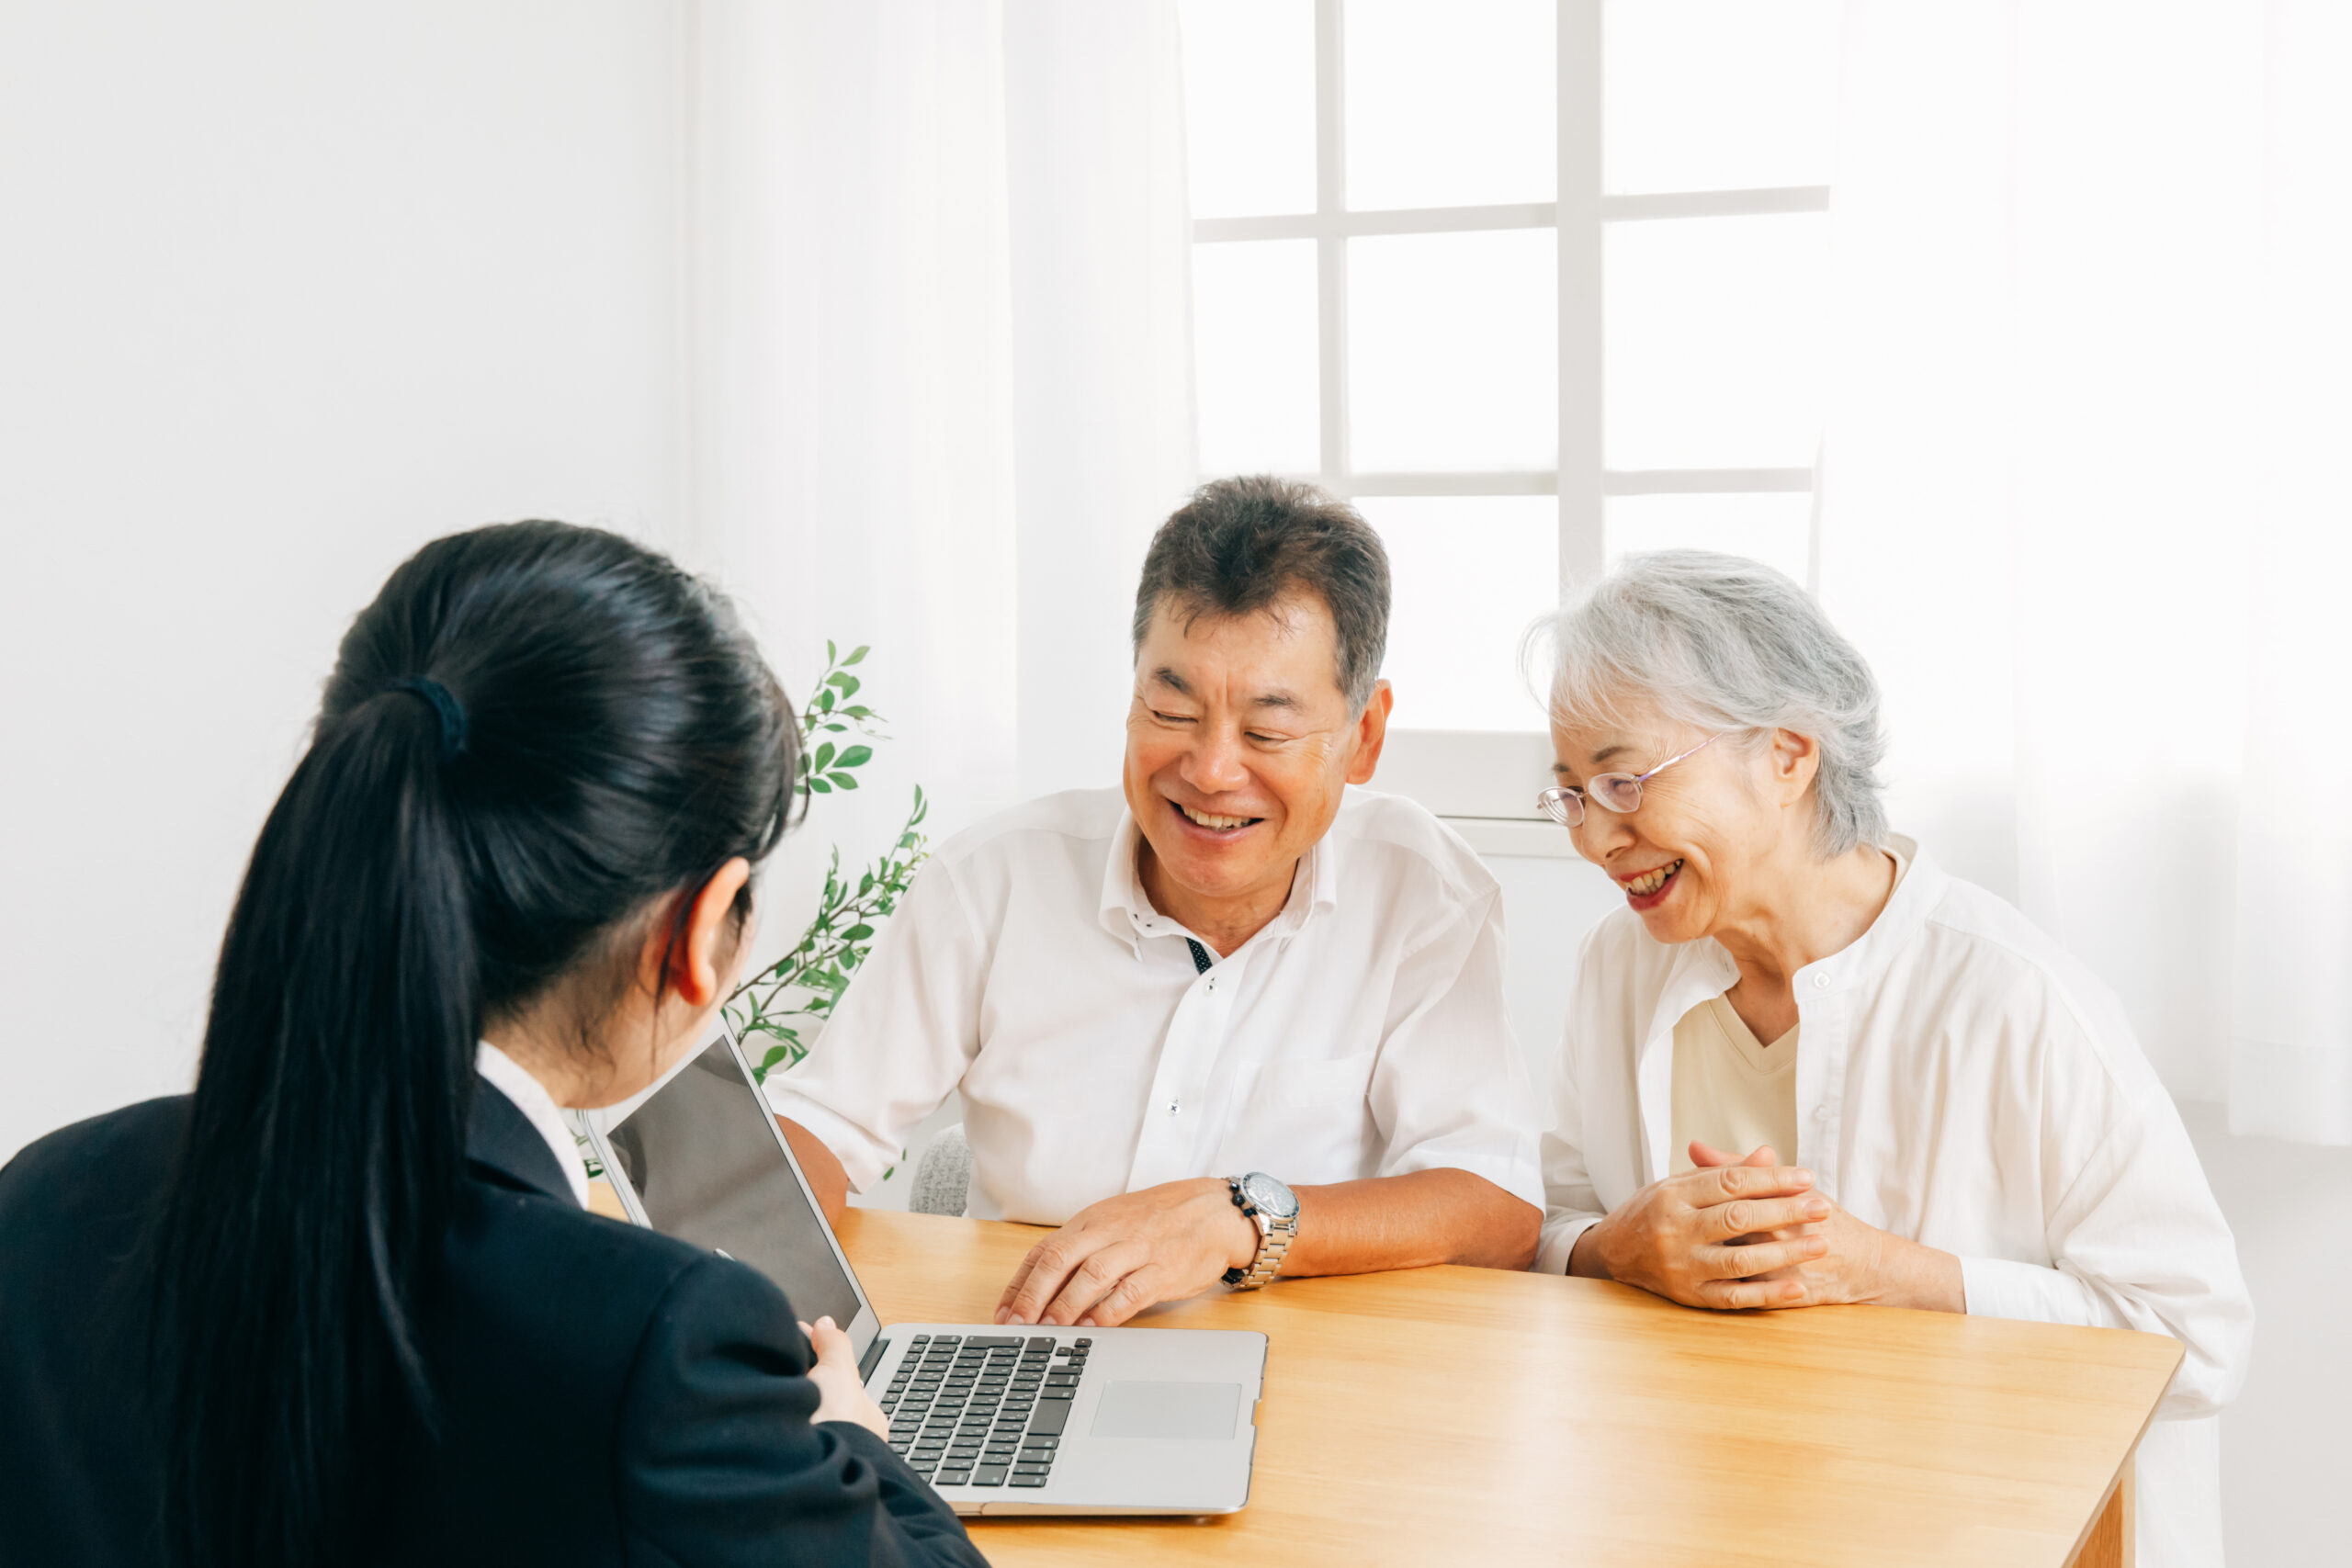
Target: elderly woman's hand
1859,1263
1704,1238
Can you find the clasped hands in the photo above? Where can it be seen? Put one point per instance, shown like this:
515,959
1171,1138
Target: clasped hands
1118,1257
1753,1233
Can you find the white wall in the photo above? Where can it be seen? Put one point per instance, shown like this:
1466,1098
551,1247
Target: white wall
285,291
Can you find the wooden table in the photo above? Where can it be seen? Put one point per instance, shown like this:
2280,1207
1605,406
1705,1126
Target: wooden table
1463,1415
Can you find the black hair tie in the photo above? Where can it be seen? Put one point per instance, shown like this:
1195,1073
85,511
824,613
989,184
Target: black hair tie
446,707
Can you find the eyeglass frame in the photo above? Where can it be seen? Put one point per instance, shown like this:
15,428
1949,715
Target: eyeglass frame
1554,802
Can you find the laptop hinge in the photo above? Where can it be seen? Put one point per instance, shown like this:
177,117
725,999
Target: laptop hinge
872,1358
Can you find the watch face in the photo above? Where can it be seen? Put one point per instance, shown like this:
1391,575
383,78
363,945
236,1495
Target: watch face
1263,1190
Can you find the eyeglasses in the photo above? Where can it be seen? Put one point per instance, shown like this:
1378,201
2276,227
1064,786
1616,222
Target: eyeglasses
1620,793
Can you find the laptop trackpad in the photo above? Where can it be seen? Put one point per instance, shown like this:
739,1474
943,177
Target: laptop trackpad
1168,1410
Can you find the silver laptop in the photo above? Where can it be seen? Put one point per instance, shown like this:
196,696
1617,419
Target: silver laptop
1039,1420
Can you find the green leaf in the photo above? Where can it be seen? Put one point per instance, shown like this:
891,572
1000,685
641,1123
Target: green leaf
856,757
848,683
824,756
820,787
857,933
859,712
843,781
829,658
825,699
859,652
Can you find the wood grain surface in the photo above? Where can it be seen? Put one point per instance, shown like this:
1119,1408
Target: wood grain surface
1465,1416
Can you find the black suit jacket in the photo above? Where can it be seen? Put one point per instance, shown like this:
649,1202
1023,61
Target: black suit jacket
609,1395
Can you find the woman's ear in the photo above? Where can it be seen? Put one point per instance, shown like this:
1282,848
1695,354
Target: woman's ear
703,962
1795,758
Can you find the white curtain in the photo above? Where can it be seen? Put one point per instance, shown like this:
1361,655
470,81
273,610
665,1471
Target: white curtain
2082,503
941,382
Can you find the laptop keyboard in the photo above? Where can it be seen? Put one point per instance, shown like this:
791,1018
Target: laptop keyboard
983,1409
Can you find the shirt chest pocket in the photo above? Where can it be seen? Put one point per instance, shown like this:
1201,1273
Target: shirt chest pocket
1332,1084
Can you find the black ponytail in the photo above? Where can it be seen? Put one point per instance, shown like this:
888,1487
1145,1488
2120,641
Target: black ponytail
535,735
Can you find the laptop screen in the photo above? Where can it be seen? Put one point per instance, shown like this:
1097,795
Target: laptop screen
709,1168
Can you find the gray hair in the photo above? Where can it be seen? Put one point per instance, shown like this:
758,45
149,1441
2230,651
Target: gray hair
1242,544
1723,643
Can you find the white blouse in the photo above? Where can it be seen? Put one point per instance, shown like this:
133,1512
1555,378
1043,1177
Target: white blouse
1963,1082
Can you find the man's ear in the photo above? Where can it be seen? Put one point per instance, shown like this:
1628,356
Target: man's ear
702,959
1372,733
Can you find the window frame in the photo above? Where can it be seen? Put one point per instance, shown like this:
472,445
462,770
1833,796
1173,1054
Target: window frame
1451,770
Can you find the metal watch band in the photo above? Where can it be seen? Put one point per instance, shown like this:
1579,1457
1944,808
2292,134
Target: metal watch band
1274,1236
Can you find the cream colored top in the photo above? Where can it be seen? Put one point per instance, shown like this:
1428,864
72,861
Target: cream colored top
1731,1089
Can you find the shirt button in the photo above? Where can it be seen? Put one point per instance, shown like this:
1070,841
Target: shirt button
1821,982
1212,985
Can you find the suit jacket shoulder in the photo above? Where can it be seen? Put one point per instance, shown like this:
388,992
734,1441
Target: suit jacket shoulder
608,1396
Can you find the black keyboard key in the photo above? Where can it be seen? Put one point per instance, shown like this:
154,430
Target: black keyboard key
953,1477
989,1475
1049,1419
1029,1481
1037,1441
1041,1343
1083,1343
1052,1395
993,1341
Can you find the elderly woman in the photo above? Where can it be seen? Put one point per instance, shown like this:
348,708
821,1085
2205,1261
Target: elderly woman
1933,1106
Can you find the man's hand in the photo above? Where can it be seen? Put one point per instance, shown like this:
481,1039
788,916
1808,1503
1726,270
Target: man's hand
841,1393
1705,1238
1859,1263
1122,1255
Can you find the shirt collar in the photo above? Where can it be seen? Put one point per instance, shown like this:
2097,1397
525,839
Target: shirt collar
1869,954
1126,912
527,1095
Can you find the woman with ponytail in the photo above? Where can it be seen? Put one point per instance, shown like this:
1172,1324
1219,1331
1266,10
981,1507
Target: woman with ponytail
342,1305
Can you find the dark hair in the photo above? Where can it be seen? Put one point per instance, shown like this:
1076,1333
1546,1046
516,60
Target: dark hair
1242,544
617,741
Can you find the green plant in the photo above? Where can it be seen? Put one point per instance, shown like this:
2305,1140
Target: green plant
797,992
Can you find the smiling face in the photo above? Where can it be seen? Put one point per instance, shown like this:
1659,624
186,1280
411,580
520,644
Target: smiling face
1711,832
1240,745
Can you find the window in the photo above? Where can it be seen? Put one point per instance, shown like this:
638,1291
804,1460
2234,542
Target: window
1534,282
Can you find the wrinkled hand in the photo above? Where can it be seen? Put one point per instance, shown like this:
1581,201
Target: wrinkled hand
1706,1238
1858,1263
841,1392
1122,1255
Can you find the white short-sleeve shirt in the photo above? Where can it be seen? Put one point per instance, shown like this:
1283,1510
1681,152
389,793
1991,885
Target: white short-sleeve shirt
1964,1082
1360,1034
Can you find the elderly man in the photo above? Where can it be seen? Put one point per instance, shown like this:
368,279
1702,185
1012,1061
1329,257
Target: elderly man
1232,1020
1804,1065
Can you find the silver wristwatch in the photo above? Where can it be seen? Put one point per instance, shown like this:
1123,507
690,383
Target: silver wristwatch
1274,1209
